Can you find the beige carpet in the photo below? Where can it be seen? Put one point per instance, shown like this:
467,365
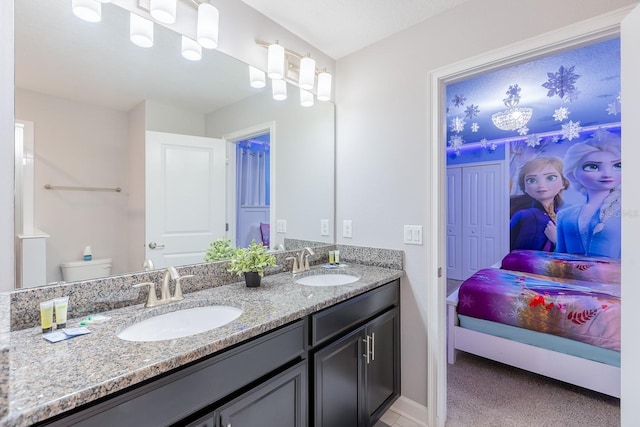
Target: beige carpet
483,393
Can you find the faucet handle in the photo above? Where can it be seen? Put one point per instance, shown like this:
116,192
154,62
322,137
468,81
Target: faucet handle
177,294
306,262
152,299
295,268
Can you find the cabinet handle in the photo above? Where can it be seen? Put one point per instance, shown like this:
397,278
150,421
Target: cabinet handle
373,346
367,353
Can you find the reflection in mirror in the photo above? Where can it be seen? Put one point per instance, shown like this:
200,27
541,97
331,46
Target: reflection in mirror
95,102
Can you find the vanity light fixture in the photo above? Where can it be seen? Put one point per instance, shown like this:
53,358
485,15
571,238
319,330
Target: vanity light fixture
191,49
140,31
279,89
307,75
207,29
306,98
324,86
257,77
87,10
104,1
275,61
163,10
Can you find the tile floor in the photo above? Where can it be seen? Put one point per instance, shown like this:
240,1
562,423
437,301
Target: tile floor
392,419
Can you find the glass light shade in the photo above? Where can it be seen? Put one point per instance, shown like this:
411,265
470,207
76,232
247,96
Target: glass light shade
279,89
307,75
306,98
257,77
140,31
324,86
275,62
163,10
512,119
191,50
87,10
207,29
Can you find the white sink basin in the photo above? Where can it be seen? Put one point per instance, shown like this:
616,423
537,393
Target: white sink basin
327,279
181,323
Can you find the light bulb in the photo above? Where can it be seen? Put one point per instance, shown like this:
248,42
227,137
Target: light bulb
140,31
307,73
275,61
207,29
87,10
163,10
191,50
257,77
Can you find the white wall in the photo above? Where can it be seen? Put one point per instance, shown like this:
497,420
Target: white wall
78,145
136,202
161,117
303,146
383,115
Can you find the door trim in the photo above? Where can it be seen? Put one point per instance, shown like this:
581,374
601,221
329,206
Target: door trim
598,28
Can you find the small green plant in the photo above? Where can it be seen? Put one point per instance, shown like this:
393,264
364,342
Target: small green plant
219,250
253,258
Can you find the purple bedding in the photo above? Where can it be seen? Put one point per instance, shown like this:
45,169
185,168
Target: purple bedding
579,310
567,266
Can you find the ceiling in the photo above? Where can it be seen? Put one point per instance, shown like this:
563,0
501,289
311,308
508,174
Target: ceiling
341,27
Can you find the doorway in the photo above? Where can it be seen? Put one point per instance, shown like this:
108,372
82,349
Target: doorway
573,36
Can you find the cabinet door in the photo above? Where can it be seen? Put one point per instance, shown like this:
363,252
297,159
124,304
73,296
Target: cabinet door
280,402
382,373
337,383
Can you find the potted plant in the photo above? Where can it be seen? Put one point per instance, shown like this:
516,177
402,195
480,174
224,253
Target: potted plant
251,261
219,250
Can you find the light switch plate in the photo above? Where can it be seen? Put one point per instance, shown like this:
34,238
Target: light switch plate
347,228
281,225
413,234
324,227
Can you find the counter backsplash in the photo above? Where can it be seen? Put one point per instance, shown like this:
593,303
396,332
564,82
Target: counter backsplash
99,295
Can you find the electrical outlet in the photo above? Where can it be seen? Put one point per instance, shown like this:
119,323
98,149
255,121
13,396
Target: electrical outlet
281,225
324,227
347,229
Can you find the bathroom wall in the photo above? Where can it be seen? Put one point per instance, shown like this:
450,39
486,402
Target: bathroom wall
383,113
78,145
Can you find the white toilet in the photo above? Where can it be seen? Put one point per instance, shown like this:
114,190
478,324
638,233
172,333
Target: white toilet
84,270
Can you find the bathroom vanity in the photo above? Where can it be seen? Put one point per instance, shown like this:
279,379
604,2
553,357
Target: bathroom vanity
298,355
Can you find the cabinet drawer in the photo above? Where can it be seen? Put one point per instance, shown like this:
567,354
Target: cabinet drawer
342,317
188,390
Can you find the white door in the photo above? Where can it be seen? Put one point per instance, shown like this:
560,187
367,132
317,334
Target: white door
185,197
454,223
476,219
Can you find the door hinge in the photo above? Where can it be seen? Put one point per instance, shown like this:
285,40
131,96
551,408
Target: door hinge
226,226
439,271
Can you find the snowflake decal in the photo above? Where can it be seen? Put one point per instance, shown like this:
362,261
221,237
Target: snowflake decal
466,300
493,146
471,111
571,130
614,108
458,100
483,143
556,139
456,142
475,127
533,140
561,83
523,130
561,114
457,124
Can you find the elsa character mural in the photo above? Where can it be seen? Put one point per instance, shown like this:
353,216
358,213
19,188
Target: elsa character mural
593,228
533,218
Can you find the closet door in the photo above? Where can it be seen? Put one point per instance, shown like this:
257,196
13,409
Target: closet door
482,217
454,223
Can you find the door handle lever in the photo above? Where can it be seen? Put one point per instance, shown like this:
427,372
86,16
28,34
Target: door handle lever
154,245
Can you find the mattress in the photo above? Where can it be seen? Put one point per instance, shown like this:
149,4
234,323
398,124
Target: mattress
583,311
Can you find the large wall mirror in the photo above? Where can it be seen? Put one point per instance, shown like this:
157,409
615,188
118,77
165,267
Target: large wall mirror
88,105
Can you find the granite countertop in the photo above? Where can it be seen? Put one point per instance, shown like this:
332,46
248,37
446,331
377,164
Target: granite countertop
47,379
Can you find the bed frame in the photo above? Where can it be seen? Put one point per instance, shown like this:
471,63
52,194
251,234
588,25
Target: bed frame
601,377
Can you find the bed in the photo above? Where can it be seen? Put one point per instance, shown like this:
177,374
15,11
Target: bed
554,314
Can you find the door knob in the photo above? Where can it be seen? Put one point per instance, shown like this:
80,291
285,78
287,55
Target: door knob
154,245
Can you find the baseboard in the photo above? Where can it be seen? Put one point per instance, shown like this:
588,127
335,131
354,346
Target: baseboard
410,410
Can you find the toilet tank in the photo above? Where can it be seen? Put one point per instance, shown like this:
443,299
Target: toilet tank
85,270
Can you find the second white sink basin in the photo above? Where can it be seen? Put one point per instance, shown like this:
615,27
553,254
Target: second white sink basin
180,323
327,279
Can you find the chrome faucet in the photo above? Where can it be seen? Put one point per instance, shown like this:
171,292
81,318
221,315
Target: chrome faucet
165,294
